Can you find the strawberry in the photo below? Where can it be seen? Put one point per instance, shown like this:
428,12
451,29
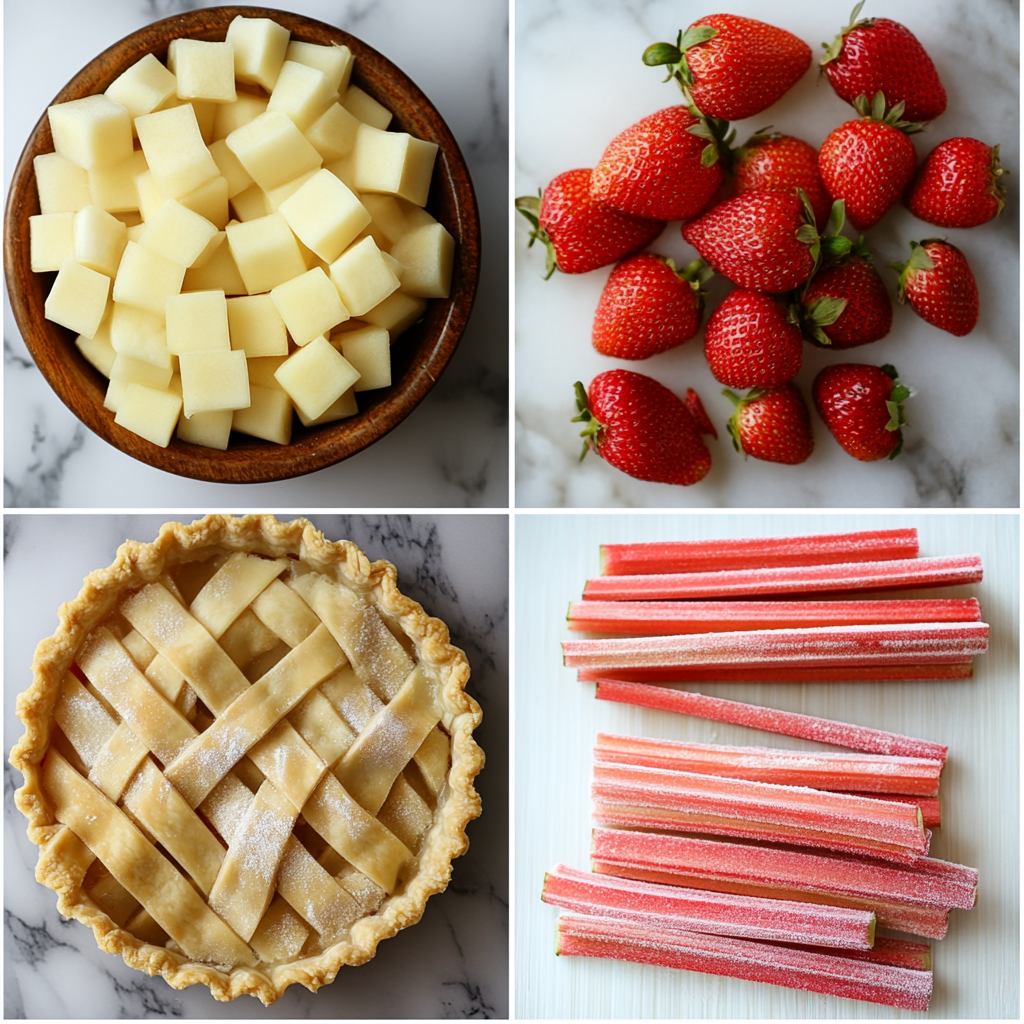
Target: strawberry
868,163
648,306
846,304
879,55
939,285
751,341
781,163
862,406
579,233
695,407
642,428
765,241
958,185
773,425
732,67
666,166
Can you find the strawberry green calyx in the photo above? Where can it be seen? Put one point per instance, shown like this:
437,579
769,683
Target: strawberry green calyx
831,243
833,49
592,431
674,57
875,110
897,417
821,313
695,274
919,260
997,189
733,425
529,207
720,139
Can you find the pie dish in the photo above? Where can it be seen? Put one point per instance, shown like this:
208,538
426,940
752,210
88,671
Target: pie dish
248,757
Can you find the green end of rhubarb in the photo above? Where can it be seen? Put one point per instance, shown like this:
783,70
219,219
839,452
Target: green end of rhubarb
604,559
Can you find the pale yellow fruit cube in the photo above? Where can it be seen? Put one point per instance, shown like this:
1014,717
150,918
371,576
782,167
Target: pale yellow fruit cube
146,279
273,150
206,114
137,371
251,204
98,240
388,218
363,106
427,253
333,133
325,214
91,132
178,233
341,409
209,200
344,170
217,273
397,313
213,380
205,71
266,252
149,412
269,415
302,93
49,240
229,116
276,196
335,61
262,370
175,151
197,322
97,349
315,377
260,45
309,305
140,334
211,247
394,163
369,351
146,86
362,277
78,298
115,394
209,429
230,167
256,327
63,186
113,188
135,231
151,199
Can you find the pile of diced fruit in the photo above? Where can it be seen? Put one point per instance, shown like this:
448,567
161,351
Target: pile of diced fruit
206,324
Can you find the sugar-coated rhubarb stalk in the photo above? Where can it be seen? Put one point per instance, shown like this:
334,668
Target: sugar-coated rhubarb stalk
868,774
850,977
699,910
757,552
930,806
663,618
788,723
651,798
845,674
945,571
921,643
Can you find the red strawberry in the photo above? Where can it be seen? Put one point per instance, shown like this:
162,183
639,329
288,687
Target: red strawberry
695,407
862,406
846,304
579,233
642,428
781,163
868,163
665,166
958,185
772,425
648,306
879,55
750,341
732,67
765,241
939,285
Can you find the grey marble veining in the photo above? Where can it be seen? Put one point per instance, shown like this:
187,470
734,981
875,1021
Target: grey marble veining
962,444
452,451
453,964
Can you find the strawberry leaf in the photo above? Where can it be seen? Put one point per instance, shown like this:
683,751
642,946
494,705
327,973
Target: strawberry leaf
825,311
529,207
591,432
836,217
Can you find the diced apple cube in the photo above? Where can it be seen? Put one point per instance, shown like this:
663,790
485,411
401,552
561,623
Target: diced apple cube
178,233
262,370
209,429
146,86
333,133
251,204
229,116
397,313
97,349
342,409
197,322
115,394
344,170
151,199
256,327
206,114
309,305
427,254
213,380
334,61
260,45
210,201
113,188
315,377
149,412
230,167
78,298
146,279
266,252
63,186
205,71
276,196
362,277
325,214
217,273
209,249
138,371
50,240
140,334
273,150
387,215
369,351
362,105
269,415
394,163
91,132
98,240
175,151
302,93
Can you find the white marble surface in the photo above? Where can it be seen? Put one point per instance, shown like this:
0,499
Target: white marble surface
453,964
977,965
580,81
452,451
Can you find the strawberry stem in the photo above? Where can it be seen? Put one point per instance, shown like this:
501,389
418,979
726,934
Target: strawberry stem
591,432
529,207
919,260
674,57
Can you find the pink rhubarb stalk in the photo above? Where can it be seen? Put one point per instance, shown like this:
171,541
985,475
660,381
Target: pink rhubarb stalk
844,674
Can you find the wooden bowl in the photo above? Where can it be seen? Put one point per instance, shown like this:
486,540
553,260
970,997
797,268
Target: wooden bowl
418,356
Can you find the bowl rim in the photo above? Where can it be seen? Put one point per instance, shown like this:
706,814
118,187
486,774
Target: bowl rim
249,459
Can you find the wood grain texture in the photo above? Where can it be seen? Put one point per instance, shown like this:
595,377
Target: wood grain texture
557,719
419,356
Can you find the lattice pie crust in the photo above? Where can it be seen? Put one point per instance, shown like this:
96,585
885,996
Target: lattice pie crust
248,757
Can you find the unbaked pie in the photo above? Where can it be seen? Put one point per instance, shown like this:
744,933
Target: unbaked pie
248,757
